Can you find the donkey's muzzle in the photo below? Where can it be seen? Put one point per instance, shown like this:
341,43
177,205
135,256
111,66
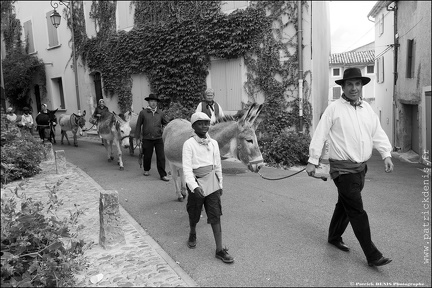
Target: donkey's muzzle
255,166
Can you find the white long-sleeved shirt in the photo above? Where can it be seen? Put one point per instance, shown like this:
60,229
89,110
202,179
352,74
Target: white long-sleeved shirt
352,133
195,155
26,120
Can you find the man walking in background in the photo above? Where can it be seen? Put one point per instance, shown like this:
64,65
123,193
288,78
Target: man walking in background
149,130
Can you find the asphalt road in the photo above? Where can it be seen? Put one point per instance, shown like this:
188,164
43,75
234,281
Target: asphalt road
277,230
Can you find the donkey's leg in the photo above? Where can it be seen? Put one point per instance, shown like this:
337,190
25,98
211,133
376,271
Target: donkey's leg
52,135
131,145
75,138
108,149
67,138
182,183
174,175
119,153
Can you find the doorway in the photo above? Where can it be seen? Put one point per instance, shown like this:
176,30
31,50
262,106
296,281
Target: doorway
98,86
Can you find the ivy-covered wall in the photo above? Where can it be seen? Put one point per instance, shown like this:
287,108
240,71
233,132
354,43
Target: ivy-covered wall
20,70
172,43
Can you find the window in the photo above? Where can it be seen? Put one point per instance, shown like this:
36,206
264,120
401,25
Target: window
226,80
381,25
52,32
336,72
380,70
28,33
58,90
370,69
125,15
410,59
230,6
337,91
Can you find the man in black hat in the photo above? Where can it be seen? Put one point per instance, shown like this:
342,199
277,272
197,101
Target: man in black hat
149,130
352,130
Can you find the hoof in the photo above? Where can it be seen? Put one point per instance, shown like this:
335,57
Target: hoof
76,145
61,143
112,157
109,159
121,168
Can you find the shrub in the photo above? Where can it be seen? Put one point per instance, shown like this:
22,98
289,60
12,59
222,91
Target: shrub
38,249
21,155
286,149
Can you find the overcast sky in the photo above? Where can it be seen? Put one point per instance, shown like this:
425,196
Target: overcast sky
349,25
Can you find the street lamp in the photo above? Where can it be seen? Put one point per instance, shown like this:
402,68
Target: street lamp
55,20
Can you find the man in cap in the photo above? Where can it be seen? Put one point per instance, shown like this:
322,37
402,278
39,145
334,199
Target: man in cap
100,110
353,130
210,107
149,129
203,176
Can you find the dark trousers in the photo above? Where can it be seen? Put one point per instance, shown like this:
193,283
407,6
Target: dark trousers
158,146
349,209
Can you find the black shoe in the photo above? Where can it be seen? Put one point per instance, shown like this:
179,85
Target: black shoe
380,262
192,241
224,256
340,245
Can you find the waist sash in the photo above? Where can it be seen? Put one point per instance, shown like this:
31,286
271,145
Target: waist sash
207,179
338,167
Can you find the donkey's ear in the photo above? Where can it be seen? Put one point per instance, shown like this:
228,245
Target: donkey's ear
254,118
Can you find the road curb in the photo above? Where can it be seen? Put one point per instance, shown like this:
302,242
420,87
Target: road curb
180,272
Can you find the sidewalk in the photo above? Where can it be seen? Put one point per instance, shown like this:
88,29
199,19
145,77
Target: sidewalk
140,262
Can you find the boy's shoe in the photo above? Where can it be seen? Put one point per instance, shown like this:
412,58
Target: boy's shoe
146,173
224,256
192,241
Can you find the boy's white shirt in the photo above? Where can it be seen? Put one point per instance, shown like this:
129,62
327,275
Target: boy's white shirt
195,155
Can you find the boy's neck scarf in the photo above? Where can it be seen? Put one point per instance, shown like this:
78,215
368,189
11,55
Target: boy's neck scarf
203,141
353,103
152,110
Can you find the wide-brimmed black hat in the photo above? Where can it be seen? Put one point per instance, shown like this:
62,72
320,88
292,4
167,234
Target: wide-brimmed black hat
353,73
152,97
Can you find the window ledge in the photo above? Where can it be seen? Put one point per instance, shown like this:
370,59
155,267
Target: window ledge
54,47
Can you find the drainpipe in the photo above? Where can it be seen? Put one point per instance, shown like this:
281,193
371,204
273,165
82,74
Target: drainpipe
300,60
395,73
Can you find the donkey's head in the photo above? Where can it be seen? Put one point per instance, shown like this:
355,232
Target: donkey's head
80,120
247,144
122,126
51,115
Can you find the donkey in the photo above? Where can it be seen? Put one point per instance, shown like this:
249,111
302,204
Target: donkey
236,139
71,123
46,125
113,129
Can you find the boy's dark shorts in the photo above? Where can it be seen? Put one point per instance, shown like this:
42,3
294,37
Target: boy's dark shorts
212,205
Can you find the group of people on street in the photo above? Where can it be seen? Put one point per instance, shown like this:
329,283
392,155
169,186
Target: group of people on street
25,123
349,126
